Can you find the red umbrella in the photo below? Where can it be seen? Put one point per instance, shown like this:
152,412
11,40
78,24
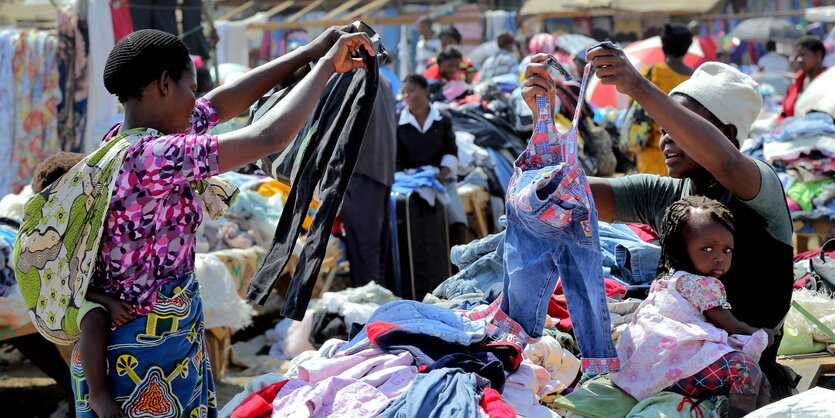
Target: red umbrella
641,54
649,52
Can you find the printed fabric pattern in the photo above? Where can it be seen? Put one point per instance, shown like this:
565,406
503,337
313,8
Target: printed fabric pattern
163,183
157,364
62,248
669,338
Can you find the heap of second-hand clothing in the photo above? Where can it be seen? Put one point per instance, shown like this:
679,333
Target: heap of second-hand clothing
417,360
801,150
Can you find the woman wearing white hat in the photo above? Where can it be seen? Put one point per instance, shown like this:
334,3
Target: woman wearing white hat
703,122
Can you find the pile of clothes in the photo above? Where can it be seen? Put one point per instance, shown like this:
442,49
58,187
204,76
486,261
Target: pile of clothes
801,150
13,311
413,359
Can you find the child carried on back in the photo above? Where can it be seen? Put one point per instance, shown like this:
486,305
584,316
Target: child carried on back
684,338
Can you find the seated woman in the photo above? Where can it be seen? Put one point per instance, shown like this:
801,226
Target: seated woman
425,138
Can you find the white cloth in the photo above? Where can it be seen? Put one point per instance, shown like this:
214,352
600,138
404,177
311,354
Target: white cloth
561,365
222,305
404,52
521,388
426,50
11,205
233,43
728,94
7,106
102,107
814,403
773,62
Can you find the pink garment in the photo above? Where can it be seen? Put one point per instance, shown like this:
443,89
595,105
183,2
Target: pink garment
670,339
148,237
793,206
334,397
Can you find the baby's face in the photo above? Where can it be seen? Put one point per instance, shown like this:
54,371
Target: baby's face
710,246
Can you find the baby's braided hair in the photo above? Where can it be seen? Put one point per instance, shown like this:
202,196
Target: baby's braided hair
140,58
673,248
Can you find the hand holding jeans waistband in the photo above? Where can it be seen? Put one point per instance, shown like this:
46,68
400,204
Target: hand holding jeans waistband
538,82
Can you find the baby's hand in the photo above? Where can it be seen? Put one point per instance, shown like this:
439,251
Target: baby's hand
771,333
121,313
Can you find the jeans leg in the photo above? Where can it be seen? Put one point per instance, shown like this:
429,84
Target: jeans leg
579,263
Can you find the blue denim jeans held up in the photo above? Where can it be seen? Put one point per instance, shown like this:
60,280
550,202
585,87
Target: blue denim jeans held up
553,232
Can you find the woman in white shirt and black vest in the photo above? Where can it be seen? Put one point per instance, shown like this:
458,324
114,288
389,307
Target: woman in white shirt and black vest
425,137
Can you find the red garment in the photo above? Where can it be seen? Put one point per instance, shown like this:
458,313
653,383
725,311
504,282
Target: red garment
558,307
433,71
644,232
812,254
259,404
708,47
122,23
495,406
377,328
794,92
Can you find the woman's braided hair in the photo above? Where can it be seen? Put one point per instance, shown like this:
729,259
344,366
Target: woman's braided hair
140,58
673,248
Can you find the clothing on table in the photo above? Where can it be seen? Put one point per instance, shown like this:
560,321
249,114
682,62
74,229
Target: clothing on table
773,62
734,373
337,127
426,50
438,394
365,208
154,211
157,368
553,232
800,82
650,158
503,62
432,143
670,335
761,274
